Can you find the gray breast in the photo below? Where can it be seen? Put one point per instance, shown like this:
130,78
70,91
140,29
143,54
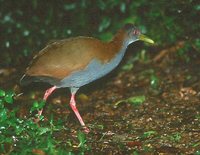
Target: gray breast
93,71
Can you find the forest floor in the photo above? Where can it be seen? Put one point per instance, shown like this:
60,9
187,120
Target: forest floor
150,108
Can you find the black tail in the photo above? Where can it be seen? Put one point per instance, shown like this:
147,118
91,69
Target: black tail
26,79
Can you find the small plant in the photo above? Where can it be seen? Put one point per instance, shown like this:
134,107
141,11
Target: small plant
197,152
82,142
135,100
176,137
36,107
148,134
23,136
7,121
154,81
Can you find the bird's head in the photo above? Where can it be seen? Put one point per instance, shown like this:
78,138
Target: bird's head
133,34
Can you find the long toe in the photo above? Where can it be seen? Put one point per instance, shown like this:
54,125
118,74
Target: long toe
86,129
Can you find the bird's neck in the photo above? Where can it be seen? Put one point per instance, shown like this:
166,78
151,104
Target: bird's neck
119,43
116,47
121,39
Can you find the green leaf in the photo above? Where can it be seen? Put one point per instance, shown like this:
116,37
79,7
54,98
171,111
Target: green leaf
36,107
197,7
197,44
104,24
10,93
127,67
81,138
101,4
43,130
35,104
8,98
1,104
2,93
154,81
149,133
3,115
136,100
123,7
106,36
135,153
197,152
70,6
176,137
19,129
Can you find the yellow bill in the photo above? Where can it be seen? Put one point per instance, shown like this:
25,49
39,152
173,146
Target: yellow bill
145,39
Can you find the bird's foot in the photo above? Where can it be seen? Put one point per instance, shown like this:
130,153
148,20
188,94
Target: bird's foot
36,120
86,129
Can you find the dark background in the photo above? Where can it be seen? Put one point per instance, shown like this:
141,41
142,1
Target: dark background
26,26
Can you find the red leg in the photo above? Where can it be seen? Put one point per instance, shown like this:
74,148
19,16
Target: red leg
48,92
46,95
73,106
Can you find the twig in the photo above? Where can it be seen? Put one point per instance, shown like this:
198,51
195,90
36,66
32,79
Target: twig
171,49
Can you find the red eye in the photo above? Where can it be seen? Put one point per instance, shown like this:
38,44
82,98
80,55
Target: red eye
136,32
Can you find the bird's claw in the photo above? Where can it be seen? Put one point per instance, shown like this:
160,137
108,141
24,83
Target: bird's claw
86,129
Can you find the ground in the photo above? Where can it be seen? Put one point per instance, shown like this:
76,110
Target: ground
166,122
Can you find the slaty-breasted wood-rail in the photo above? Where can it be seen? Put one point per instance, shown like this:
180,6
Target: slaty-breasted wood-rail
77,61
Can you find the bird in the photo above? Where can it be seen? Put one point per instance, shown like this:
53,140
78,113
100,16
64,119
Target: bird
77,61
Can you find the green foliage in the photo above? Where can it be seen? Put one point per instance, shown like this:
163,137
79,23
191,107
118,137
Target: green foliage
149,134
154,81
176,137
16,133
135,100
9,97
197,152
128,66
5,98
2,93
37,105
27,26
135,153
82,142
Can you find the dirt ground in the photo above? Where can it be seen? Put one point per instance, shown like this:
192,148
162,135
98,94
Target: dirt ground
167,122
